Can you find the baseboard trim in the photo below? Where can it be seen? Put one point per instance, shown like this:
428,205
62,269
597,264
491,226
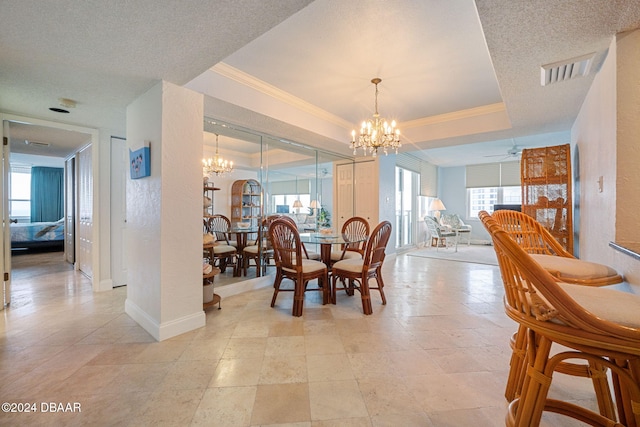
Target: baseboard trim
165,330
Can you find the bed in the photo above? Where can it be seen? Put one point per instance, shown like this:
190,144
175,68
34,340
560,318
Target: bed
38,235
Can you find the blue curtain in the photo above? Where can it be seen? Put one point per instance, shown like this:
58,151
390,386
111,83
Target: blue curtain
47,194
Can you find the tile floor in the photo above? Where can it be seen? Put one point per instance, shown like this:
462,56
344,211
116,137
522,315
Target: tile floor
436,355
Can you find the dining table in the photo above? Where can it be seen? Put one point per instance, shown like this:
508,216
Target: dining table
241,234
328,240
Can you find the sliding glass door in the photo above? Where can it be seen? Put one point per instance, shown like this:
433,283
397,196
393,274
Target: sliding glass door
407,185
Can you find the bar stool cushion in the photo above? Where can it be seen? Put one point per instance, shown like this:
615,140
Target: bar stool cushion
615,306
573,268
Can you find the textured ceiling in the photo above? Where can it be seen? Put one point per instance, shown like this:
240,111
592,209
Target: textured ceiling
462,77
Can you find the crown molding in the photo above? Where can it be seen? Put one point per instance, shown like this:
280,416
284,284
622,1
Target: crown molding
249,81
456,115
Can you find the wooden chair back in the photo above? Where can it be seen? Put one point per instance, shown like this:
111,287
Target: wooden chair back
529,234
287,248
355,226
375,250
219,225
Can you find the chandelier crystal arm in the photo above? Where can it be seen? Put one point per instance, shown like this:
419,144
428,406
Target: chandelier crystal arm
376,133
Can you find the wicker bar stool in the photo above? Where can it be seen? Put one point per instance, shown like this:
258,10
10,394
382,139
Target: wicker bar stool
598,325
534,239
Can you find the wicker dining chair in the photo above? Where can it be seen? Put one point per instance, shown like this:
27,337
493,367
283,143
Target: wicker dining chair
292,265
597,325
356,272
224,252
353,226
261,250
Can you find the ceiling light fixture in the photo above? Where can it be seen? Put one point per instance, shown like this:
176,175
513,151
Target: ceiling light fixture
67,103
376,133
216,165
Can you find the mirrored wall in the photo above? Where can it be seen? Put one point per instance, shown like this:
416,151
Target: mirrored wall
294,179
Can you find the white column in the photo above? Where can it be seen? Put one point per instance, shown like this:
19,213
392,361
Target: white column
164,221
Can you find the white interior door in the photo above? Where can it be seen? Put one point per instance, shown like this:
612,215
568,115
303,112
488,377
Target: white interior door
119,163
84,209
69,210
344,192
5,232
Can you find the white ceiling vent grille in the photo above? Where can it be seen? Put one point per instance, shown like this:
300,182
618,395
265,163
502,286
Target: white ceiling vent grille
37,144
566,70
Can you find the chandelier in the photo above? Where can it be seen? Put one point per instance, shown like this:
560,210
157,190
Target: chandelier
376,133
216,165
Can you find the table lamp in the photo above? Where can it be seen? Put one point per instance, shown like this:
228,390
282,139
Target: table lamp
297,204
437,206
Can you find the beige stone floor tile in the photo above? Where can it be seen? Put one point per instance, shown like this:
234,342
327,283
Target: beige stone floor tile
336,399
343,422
189,374
436,355
237,372
245,348
323,344
285,346
283,369
388,396
281,404
141,377
407,419
162,408
329,367
225,407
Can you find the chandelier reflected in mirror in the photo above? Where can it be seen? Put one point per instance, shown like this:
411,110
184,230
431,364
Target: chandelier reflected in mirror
216,165
376,133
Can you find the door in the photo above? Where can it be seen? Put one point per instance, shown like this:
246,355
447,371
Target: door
344,192
5,232
366,191
84,209
69,210
119,163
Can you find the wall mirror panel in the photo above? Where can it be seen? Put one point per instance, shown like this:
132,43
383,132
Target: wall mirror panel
292,179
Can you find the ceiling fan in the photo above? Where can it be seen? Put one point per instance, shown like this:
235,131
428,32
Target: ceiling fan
514,152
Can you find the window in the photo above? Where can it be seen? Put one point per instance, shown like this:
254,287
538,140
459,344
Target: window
492,183
288,199
20,192
483,199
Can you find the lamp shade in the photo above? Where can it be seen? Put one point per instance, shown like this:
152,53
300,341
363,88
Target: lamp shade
297,204
314,204
437,205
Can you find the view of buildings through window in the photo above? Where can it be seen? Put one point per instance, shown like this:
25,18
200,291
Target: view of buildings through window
483,199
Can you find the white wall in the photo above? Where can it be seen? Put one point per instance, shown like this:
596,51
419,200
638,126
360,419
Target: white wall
597,135
164,212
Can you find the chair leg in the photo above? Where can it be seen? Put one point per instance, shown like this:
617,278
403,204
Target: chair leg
366,296
298,298
381,286
276,288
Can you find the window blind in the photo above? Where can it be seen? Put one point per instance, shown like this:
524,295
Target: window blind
493,175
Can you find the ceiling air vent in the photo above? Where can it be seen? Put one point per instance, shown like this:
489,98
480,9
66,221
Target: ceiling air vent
36,144
566,70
